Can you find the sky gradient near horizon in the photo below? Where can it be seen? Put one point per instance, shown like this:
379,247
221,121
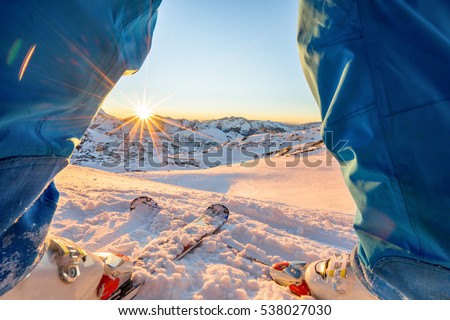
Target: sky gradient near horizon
214,58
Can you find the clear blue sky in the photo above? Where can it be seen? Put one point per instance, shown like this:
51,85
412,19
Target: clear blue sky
218,58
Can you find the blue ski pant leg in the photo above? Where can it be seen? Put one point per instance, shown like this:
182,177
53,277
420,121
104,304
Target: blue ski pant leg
59,59
380,73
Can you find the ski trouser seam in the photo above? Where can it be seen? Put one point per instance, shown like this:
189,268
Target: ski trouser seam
410,109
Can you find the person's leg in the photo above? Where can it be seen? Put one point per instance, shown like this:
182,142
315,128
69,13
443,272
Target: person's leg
379,73
59,60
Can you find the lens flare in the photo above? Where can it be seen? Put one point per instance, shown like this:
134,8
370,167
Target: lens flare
25,62
144,112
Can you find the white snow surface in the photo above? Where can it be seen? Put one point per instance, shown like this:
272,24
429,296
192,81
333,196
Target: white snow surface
277,213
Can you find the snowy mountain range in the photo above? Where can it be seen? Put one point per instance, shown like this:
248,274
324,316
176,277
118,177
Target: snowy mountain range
164,143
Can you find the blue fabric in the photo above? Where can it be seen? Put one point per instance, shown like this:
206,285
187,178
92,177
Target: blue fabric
59,59
82,48
399,278
380,74
23,242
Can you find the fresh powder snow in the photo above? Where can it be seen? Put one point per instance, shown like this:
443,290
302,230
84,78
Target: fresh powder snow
295,207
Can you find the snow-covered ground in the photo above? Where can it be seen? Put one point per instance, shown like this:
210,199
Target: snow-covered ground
277,213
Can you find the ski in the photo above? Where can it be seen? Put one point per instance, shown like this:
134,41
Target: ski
143,203
178,244
185,239
146,209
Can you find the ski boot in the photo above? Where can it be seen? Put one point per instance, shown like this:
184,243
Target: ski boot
334,279
70,273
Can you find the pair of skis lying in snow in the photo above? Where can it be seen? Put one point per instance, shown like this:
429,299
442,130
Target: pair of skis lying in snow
191,235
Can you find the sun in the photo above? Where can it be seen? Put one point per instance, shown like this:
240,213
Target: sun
143,112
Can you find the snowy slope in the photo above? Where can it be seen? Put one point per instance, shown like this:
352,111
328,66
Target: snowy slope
286,180
271,219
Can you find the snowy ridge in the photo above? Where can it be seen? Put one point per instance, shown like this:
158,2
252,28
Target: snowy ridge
111,144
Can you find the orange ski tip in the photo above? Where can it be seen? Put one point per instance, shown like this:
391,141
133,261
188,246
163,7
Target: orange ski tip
280,266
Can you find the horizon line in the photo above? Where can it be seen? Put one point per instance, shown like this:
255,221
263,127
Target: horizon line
213,119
